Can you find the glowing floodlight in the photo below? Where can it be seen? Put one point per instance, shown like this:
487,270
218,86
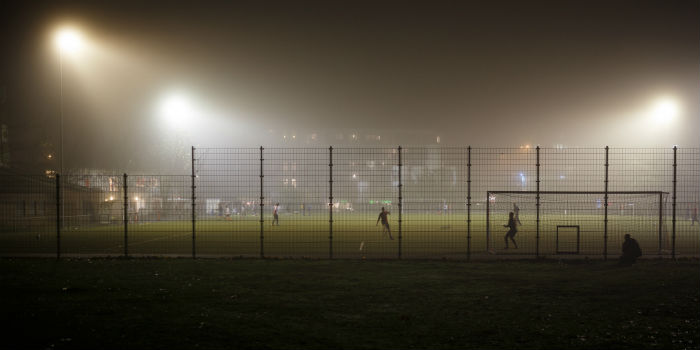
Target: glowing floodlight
664,111
69,40
176,110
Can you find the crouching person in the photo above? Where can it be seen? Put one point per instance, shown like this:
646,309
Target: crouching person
630,251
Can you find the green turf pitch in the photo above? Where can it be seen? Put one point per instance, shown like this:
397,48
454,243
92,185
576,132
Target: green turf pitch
354,236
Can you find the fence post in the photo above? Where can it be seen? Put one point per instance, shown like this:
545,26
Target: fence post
605,206
330,202
194,220
488,223
673,204
262,219
400,202
58,216
126,215
469,202
537,206
661,222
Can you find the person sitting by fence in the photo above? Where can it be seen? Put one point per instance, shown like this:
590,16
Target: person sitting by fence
630,250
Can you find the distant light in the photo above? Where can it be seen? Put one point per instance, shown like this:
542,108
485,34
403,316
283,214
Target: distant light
438,139
527,146
664,110
354,176
562,177
176,110
69,40
111,198
49,156
136,198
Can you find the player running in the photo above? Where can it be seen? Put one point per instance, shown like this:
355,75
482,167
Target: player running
513,230
516,211
694,217
385,222
276,218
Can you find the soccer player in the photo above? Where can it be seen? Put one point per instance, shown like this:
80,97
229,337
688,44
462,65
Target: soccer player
516,211
276,218
694,217
385,222
630,250
513,230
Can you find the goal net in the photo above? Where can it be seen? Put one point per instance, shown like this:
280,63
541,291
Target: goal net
574,222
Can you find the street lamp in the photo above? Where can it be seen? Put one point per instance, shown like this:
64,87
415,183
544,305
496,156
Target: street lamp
68,41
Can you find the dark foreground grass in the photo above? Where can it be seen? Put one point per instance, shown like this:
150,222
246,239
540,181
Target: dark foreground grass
208,304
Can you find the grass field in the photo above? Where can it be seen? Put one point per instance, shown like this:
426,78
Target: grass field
250,303
423,236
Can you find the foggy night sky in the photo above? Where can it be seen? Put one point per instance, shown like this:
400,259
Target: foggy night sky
579,73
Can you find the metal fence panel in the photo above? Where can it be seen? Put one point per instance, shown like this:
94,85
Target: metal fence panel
228,198
28,212
92,213
328,202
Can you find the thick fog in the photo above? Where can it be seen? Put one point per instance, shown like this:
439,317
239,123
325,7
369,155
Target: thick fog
152,80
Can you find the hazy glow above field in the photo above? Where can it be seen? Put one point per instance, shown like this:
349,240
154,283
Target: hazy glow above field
664,111
176,111
68,40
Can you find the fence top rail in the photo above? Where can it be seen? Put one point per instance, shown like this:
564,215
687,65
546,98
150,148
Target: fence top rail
341,146
576,192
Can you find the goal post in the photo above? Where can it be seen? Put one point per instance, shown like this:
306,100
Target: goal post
638,213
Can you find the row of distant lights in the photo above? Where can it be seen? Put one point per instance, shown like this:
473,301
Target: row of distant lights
295,136
294,181
111,198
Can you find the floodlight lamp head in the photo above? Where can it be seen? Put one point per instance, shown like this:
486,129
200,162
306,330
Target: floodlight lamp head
68,41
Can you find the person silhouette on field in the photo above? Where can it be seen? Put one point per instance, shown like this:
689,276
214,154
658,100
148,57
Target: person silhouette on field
385,222
513,230
630,251
516,211
276,218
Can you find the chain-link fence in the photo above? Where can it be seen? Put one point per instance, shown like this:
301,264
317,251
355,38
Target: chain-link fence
367,203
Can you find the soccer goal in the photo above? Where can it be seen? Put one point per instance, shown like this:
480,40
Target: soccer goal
577,222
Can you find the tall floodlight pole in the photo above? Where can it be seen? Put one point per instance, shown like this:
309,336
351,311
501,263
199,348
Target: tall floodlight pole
60,88
60,63
68,41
